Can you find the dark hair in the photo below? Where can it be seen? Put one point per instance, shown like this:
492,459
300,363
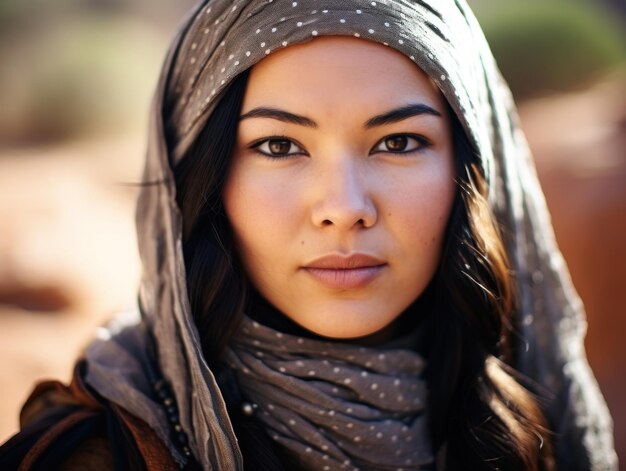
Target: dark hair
483,416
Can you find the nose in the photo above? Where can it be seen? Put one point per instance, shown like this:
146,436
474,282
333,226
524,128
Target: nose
343,198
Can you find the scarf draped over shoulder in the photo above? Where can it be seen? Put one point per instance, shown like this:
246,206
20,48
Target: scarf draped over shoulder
222,38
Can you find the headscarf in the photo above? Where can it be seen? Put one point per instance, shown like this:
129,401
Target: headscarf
219,40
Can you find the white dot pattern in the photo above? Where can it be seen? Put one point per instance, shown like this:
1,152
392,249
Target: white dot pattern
364,20
454,73
356,407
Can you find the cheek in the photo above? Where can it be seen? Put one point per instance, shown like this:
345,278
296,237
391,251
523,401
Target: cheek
260,210
420,213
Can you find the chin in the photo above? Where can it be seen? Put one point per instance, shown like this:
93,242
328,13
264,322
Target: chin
353,326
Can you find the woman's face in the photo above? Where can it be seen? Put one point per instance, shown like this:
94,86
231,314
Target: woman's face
341,184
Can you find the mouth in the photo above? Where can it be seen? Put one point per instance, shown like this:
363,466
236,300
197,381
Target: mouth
345,272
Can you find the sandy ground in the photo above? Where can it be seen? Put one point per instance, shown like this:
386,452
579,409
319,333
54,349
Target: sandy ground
68,259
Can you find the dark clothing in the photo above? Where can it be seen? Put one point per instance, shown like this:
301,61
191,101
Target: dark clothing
73,428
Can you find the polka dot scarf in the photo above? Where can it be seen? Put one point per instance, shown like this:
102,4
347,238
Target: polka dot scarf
335,405
228,37
222,38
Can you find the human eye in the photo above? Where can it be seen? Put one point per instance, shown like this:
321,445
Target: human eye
277,147
401,144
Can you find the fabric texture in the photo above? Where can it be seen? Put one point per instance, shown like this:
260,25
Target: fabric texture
220,39
71,428
335,406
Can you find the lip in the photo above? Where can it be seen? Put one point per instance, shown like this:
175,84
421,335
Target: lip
345,272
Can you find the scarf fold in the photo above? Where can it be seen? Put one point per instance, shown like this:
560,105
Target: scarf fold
334,405
220,39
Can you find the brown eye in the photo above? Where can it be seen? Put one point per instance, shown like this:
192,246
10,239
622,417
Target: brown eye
401,144
396,143
279,146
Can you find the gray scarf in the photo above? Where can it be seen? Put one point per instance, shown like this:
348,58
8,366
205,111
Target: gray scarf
333,405
220,39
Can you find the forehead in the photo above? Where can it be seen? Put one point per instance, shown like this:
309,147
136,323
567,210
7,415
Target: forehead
335,71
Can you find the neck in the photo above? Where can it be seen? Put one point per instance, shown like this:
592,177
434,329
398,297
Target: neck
260,310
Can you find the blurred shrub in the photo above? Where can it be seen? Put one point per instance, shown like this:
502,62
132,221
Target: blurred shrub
542,47
71,67
75,67
82,75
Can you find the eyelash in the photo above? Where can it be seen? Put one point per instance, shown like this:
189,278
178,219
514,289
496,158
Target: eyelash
256,147
422,144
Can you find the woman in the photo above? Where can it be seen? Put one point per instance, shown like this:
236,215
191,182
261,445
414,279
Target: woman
344,246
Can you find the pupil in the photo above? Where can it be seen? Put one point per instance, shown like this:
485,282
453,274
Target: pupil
279,146
397,143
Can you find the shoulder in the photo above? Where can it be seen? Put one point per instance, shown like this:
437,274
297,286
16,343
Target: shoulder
71,427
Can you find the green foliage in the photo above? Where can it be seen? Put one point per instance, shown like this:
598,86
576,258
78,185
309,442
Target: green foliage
85,74
70,67
542,47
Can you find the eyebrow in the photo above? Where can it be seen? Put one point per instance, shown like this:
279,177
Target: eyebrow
400,114
392,116
280,115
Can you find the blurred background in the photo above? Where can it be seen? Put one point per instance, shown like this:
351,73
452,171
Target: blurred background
76,78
